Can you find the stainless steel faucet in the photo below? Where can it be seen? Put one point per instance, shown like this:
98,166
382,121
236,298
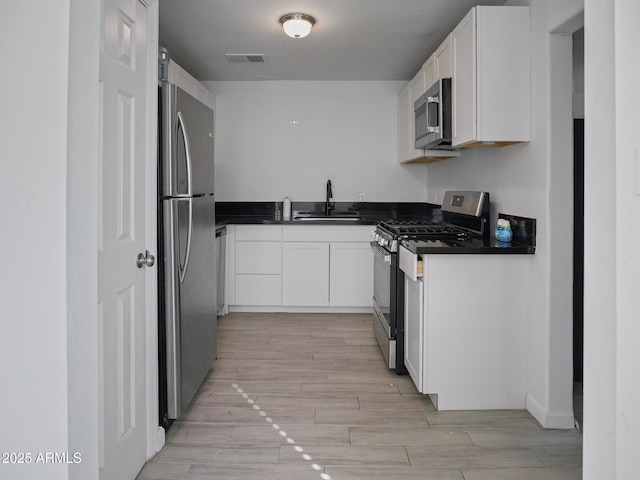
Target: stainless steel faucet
329,205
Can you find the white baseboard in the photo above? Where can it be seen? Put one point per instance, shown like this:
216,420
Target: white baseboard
160,438
561,419
289,309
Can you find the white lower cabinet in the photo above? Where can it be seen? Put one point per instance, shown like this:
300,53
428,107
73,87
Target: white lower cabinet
319,267
351,271
305,273
258,289
466,331
258,265
414,331
258,258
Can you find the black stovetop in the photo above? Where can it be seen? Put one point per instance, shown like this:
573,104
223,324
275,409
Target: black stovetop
416,229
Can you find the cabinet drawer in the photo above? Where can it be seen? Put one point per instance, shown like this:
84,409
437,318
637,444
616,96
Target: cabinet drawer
259,232
409,263
258,257
258,289
327,233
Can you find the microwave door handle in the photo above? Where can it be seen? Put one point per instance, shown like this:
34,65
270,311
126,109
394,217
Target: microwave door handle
433,100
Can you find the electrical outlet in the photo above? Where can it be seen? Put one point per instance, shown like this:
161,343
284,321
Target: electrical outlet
361,197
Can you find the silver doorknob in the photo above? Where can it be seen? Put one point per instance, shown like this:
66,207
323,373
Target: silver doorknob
145,259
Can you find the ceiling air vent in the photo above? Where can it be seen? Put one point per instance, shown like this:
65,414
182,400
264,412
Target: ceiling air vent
246,58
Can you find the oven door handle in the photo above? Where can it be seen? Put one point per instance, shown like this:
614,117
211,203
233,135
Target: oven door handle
380,251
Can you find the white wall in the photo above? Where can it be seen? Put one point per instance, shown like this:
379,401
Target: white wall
535,180
627,121
33,344
612,258
82,235
345,131
49,125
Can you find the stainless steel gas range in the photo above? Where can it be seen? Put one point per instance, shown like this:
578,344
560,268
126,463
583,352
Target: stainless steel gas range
465,215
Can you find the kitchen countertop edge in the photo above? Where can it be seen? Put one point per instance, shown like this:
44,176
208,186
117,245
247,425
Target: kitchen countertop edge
493,248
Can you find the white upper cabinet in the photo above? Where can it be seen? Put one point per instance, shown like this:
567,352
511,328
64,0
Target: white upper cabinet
406,120
491,77
405,145
443,61
407,153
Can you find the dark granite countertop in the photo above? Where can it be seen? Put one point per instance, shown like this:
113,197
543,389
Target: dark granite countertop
370,213
471,246
258,220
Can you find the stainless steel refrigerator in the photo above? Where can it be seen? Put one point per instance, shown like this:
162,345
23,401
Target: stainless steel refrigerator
186,219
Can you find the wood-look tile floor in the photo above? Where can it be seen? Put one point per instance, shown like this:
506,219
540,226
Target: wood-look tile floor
308,396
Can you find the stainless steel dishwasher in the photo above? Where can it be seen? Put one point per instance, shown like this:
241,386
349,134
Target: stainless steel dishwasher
221,249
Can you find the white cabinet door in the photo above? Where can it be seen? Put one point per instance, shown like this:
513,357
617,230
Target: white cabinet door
416,90
430,71
443,60
406,119
414,342
305,273
258,257
258,289
492,77
404,126
463,43
351,282
503,73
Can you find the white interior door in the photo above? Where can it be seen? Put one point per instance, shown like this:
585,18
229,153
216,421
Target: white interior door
121,206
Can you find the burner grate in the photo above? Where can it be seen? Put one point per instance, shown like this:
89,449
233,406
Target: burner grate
419,229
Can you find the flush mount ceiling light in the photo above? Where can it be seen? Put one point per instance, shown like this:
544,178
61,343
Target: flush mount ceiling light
297,25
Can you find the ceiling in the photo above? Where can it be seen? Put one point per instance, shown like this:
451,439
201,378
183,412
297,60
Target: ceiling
351,40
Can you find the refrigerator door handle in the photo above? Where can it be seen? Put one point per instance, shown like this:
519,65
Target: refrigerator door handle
187,149
187,255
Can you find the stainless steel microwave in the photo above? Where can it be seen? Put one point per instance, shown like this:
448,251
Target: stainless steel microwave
433,117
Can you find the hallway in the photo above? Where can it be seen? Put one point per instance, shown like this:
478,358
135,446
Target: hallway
307,396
